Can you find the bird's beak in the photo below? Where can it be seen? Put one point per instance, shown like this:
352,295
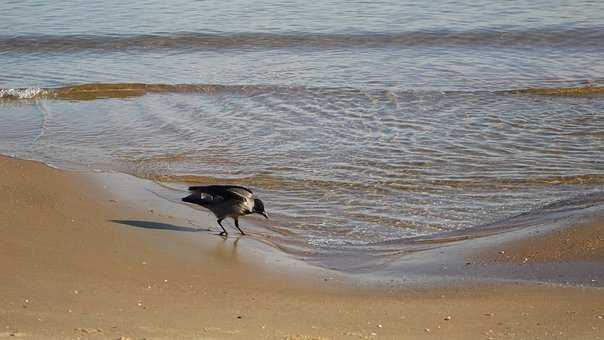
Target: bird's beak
265,214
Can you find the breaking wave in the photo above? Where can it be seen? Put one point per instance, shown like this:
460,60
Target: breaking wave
124,90
548,37
24,93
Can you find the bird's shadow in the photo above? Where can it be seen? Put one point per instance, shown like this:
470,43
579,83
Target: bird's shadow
159,226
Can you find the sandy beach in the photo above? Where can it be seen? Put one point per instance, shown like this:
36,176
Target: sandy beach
80,262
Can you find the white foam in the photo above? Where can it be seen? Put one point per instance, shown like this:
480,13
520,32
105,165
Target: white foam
26,93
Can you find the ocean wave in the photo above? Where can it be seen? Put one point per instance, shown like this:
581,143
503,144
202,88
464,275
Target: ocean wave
94,91
558,91
586,179
124,90
580,37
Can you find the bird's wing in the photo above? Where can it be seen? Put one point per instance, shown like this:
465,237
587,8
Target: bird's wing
225,192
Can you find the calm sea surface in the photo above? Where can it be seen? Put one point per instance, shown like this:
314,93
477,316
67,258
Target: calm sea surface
356,122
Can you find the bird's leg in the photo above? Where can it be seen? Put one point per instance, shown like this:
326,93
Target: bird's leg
237,225
224,232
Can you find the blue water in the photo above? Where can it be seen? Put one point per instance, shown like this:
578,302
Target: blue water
542,43
347,17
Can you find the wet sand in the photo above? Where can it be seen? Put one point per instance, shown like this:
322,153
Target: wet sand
81,259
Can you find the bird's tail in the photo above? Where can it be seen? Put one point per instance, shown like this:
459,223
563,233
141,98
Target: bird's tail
193,198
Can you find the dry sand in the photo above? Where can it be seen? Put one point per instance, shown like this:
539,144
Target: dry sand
69,272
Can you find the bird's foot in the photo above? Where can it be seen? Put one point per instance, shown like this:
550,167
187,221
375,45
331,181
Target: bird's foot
223,234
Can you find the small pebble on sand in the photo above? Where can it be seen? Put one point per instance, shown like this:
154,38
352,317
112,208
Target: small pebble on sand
89,330
447,318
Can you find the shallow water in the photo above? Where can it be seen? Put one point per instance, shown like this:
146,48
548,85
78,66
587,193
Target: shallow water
357,123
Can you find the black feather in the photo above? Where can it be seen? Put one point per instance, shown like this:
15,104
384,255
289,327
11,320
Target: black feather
221,192
217,189
197,199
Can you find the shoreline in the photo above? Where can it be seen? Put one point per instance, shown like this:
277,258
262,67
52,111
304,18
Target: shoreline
474,254
100,255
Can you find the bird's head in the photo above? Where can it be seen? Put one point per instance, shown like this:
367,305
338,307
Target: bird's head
259,208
